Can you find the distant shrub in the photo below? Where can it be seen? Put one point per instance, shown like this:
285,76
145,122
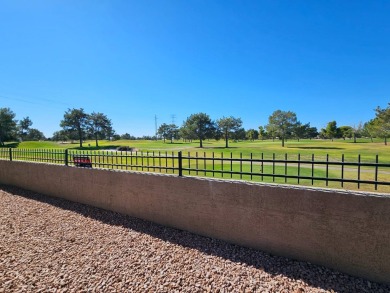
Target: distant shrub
124,149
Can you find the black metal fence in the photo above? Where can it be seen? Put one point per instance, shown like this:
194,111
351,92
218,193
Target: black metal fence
296,169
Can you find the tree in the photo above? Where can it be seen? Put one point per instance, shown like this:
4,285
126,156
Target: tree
346,132
229,125
282,123
312,132
127,136
163,131
186,134
331,131
173,132
383,122
301,130
34,134
24,126
114,136
75,120
61,135
7,125
369,129
199,126
262,133
357,131
252,134
167,131
239,134
99,126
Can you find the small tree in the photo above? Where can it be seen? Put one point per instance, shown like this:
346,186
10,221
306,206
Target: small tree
164,131
24,126
346,132
252,134
127,136
239,134
262,133
282,123
34,134
382,122
8,124
75,120
312,132
199,126
301,130
60,135
229,125
331,131
357,131
99,126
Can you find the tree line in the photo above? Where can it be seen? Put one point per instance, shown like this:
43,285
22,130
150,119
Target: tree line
79,125
12,129
281,125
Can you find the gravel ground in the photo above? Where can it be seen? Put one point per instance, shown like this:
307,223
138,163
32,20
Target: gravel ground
53,245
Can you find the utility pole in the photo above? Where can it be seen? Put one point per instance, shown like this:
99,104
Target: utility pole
173,116
155,125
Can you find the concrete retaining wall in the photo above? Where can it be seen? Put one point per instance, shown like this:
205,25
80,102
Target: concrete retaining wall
347,231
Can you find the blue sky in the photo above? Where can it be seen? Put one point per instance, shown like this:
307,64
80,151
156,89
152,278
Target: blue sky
132,60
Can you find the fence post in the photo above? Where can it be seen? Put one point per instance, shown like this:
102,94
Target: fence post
180,158
10,154
66,157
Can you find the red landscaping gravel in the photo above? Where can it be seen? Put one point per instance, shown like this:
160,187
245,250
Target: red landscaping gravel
53,245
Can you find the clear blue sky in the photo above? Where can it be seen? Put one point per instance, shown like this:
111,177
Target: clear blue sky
132,60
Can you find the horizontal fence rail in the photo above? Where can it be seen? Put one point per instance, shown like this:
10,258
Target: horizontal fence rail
296,169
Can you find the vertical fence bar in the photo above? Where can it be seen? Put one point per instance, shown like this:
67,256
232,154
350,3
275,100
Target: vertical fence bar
222,164
376,171
196,163
147,161
166,162
204,163
231,165
285,168
342,170
154,163
10,154
173,163
251,166
327,169
312,169
359,171
189,164
299,166
262,166
273,167
159,161
240,165
66,160
142,160
213,159
180,163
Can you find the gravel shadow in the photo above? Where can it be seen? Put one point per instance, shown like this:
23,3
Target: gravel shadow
316,276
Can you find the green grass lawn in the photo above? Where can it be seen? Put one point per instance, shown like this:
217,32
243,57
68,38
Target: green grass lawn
320,150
